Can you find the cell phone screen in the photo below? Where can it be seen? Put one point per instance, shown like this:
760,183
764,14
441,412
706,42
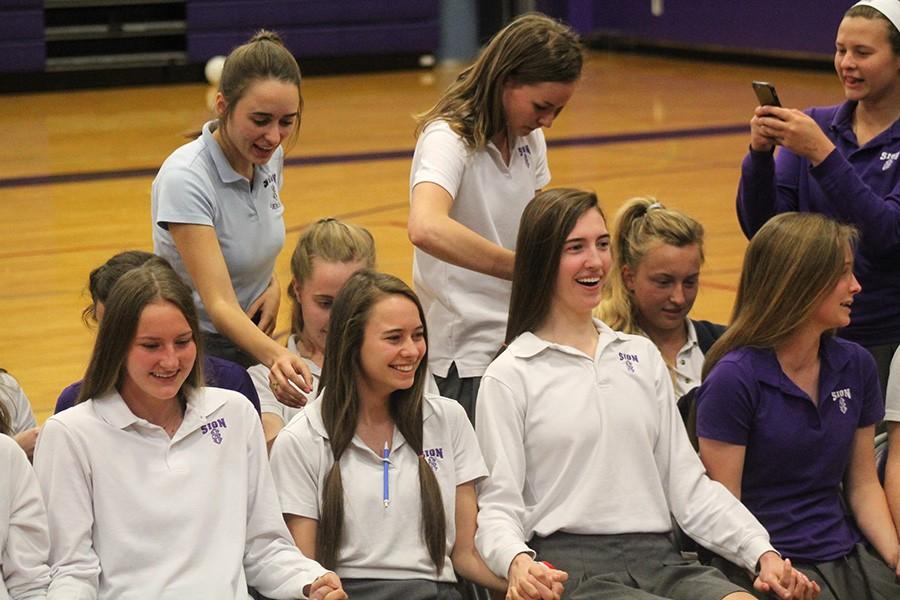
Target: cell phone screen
766,94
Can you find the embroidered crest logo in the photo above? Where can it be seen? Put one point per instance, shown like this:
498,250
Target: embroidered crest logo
214,429
629,360
841,397
889,159
525,153
270,180
434,456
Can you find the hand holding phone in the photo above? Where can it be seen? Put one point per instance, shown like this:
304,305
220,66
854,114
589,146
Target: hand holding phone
766,94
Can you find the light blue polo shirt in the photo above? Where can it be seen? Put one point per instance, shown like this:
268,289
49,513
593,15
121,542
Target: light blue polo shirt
197,185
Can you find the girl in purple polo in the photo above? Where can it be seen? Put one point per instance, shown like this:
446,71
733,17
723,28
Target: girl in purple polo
787,412
843,161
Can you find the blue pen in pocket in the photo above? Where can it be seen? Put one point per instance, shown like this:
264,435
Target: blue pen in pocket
386,464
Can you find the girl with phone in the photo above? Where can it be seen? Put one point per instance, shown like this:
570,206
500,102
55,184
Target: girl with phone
786,413
377,478
843,161
588,457
158,487
480,156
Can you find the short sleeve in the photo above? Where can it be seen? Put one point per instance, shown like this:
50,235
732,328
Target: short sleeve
184,196
541,167
17,403
440,158
726,404
297,469
466,452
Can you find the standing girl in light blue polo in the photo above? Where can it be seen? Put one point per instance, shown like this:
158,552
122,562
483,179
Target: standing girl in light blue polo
218,217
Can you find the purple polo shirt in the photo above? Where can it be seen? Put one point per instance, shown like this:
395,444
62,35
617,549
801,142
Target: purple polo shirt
219,373
860,186
796,451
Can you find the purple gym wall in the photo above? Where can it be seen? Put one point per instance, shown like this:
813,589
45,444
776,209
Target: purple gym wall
805,26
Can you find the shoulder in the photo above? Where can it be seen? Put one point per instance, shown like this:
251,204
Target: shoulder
707,332
446,410
743,365
10,451
536,139
845,351
441,134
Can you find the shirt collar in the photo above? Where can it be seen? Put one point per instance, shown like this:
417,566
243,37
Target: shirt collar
834,356
111,408
313,412
527,344
226,173
842,121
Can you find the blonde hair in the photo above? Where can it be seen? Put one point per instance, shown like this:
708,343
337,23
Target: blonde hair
532,49
329,240
790,264
641,225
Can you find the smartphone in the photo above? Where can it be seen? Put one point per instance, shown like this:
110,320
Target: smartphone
766,94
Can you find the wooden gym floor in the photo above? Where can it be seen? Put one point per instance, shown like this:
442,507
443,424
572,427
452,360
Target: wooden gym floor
76,168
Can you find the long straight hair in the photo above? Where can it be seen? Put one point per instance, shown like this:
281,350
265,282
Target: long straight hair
139,287
340,411
546,222
791,263
532,49
641,225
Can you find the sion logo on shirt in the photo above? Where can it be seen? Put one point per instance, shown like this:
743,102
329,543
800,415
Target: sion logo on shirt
270,180
629,360
889,159
214,429
841,397
525,153
434,456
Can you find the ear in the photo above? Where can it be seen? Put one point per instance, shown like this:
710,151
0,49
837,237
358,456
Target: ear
295,289
221,104
628,278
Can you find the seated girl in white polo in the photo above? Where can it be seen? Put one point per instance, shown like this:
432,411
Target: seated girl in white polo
157,487
376,478
589,459
24,540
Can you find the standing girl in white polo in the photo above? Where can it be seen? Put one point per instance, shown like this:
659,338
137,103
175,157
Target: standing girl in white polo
376,478
24,539
479,158
588,457
157,487
217,214
326,255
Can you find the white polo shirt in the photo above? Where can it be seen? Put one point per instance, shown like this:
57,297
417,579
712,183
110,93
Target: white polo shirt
466,311
379,542
892,396
137,515
16,402
594,445
198,186
24,539
268,403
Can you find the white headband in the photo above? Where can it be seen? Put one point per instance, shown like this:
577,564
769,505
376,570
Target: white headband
889,8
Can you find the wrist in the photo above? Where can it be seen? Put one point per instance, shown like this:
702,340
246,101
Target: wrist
523,559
